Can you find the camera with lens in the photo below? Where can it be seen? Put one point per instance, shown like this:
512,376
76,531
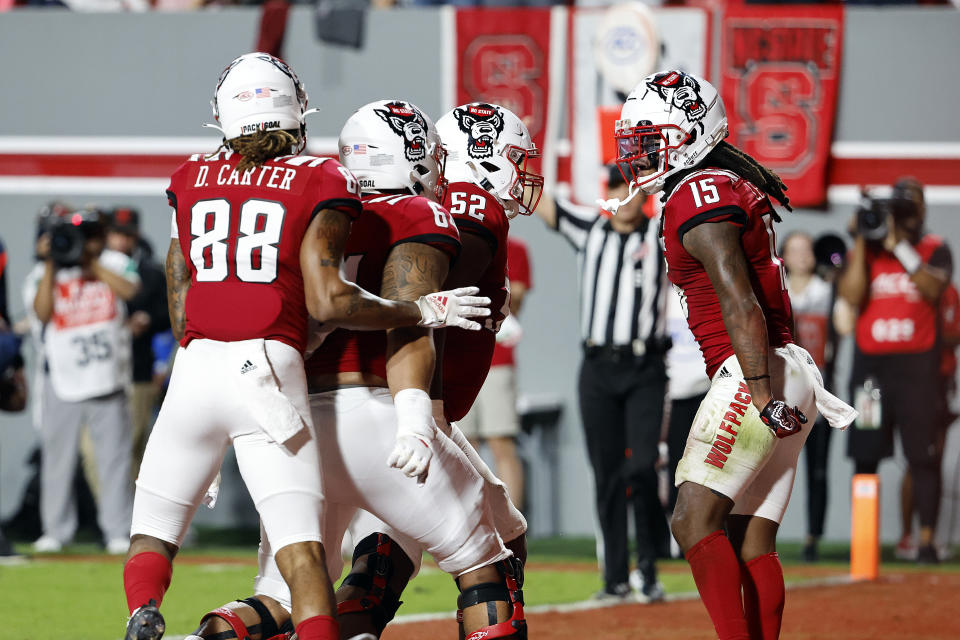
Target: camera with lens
70,232
872,216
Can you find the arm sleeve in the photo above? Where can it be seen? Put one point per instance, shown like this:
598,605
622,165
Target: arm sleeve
574,222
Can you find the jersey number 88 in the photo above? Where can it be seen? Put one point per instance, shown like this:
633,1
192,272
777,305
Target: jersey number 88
256,253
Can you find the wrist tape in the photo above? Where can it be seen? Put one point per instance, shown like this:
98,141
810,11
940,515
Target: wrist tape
414,414
907,256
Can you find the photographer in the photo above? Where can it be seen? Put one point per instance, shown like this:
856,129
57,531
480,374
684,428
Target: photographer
78,292
895,276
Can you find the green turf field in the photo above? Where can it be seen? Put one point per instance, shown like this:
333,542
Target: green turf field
79,594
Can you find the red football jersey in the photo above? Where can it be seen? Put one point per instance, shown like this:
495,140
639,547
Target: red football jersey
386,221
467,354
719,196
895,318
240,234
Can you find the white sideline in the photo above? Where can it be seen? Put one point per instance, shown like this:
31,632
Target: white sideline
590,605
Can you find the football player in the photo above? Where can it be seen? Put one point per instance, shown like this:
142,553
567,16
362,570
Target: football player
487,150
258,235
717,230
399,245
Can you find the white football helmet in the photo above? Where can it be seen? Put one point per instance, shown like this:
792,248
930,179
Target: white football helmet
670,121
259,92
489,145
392,144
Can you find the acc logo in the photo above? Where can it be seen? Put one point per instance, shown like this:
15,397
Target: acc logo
483,124
626,45
346,150
408,123
243,96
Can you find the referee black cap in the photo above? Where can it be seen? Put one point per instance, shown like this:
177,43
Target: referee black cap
614,177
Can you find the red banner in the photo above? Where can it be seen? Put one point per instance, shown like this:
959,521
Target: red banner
781,67
503,57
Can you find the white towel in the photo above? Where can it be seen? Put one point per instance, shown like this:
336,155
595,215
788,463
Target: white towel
838,413
260,391
210,497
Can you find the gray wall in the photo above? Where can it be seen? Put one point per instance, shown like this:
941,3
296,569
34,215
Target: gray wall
153,75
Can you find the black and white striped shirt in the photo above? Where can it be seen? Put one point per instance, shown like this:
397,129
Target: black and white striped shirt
622,279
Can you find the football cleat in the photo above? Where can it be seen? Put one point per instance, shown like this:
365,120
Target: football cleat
146,623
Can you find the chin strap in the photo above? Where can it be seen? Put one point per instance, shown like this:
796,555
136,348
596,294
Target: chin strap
209,125
613,204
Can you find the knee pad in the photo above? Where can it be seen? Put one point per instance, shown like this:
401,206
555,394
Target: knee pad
490,592
267,627
381,603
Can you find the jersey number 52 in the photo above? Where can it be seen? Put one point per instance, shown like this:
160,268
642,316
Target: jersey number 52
256,252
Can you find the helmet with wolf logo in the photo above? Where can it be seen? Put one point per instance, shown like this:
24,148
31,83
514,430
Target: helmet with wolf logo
489,145
392,144
669,122
259,92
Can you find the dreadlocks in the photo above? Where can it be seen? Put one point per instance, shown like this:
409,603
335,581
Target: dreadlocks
257,148
727,156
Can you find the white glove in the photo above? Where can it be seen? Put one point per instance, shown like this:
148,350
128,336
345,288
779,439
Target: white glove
510,332
415,431
452,308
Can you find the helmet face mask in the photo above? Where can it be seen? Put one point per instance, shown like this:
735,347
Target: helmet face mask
643,151
490,146
669,122
527,187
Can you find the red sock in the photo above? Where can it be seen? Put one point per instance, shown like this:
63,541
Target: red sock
763,596
319,628
717,574
146,577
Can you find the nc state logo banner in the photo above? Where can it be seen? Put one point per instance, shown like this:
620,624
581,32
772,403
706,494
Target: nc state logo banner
503,57
781,68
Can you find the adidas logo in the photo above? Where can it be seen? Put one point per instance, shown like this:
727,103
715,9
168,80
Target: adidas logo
724,373
247,367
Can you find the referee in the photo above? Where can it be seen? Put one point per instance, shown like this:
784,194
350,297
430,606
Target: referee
622,377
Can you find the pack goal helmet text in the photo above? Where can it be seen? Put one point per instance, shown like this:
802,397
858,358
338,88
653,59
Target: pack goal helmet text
489,145
260,92
669,122
392,144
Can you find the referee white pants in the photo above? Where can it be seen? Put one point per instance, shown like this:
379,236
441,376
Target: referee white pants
446,515
202,414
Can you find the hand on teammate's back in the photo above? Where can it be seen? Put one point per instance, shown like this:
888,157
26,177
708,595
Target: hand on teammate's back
781,419
452,308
